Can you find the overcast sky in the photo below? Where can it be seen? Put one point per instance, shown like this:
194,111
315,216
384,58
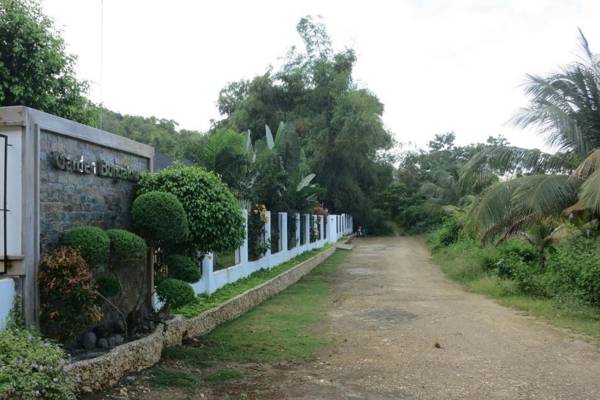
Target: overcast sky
437,65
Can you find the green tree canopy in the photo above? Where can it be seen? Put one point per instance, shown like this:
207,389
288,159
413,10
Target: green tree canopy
35,69
338,123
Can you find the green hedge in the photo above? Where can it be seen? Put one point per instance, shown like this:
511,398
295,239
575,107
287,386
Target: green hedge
175,293
160,218
215,219
126,247
183,268
92,242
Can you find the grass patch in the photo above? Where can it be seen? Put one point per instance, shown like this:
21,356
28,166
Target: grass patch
189,355
282,328
462,262
229,291
162,377
224,375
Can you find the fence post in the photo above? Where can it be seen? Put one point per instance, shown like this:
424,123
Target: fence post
244,248
207,271
332,234
321,228
268,234
307,229
297,230
283,231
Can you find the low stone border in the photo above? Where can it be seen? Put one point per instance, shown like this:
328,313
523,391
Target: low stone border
105,371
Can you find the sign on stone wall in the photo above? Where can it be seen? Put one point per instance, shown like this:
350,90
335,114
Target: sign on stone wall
102,168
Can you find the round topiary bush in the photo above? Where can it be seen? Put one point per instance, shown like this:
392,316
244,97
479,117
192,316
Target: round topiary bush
108,285
215,218
160,218
125,247
175,293
183,268
32,368
92,243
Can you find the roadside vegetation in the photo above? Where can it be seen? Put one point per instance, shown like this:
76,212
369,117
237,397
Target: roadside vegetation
285,328
206,302
519,225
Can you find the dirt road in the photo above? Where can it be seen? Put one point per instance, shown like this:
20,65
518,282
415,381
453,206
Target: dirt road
406,332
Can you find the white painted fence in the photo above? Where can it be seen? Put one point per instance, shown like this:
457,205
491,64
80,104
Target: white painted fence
337,226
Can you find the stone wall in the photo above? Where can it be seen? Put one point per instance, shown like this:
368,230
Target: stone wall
69,199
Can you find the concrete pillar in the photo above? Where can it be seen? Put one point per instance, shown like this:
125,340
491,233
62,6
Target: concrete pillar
307,228
321,228
244,248
207,271
268,233
283,231
297,229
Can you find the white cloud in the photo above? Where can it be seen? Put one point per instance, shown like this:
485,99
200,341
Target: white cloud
436,65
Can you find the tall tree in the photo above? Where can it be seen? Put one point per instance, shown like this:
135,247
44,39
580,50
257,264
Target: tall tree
339,124
35,69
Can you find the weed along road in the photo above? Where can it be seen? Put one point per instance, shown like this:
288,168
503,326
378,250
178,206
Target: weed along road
385,323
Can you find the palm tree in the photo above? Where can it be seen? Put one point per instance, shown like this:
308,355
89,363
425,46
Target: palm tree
565,107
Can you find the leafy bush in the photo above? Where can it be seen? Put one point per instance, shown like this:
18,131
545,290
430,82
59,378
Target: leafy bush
160,218
108,285
448,233
183,268
67,294
32,368
520,248
175,293
125,247
92,242
215,219
573,268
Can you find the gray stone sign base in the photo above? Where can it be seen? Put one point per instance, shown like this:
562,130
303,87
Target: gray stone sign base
106,370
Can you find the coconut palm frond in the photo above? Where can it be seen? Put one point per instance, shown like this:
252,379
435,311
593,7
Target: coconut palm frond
544,195
589,165
589,194
509,207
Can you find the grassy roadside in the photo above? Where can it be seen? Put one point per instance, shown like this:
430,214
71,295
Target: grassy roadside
282,328
462,263
229,291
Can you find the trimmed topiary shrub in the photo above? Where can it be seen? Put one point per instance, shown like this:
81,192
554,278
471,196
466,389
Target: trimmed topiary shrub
125,247
183,268
175,293
160,218
68,296
32,368
215,219
108,285
92,243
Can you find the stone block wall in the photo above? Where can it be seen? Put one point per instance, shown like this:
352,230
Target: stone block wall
69,199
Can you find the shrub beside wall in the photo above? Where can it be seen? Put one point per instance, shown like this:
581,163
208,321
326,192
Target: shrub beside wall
92,242
68,296
215,220
32,368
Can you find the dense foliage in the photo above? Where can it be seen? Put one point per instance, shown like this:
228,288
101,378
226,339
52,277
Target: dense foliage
35,69
159,217
125,247
92,243
339,124
32,368
175,293
68,294
214,216
183,268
